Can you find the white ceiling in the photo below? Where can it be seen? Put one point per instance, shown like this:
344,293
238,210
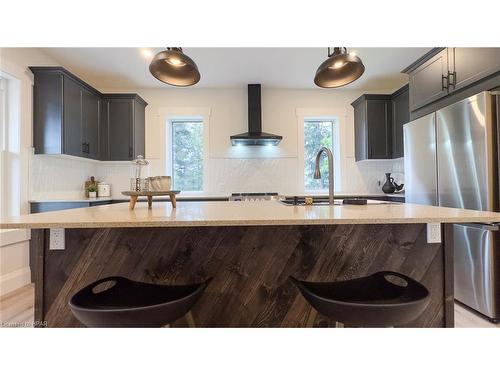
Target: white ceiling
127,68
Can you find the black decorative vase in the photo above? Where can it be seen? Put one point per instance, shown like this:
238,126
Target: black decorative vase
389,187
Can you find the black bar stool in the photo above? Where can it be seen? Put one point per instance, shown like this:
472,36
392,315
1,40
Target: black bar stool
384,299
128,303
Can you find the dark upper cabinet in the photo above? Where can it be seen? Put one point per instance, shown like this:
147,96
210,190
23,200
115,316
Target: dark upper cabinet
72,124
125,126
400,116
139,132
445,72
428,81
90,124
103,130
378,124
372,127
468,65
71,117
120,112
48,113
360,131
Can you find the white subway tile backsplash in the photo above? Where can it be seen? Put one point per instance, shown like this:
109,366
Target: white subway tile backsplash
61,177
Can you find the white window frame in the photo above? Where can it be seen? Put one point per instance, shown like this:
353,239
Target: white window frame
169,115
10,146
338,117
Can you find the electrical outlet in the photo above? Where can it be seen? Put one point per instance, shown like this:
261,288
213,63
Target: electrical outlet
434,233
57,239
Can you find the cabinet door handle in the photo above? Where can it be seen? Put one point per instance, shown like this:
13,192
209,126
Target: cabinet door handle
444,82
452,79
130,152
86,148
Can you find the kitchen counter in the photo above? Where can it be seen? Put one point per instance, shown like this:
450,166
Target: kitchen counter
205,197
189,214
249,248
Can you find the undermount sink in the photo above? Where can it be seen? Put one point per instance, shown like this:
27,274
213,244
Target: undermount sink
324,202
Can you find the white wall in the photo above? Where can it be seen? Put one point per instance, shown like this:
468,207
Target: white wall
260,168
14,248
230,169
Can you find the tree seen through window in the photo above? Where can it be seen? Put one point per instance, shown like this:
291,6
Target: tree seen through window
187,155
316,135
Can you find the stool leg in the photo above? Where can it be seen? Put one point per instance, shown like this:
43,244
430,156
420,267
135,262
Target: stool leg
133,200
173,200
190,320
339,325
311,318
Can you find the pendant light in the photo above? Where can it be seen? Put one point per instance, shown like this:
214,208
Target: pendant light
172,66
340,69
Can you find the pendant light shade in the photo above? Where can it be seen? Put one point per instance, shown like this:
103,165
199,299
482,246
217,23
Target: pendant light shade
340,69
172,66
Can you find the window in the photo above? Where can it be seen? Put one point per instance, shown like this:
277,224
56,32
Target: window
317,133
10,146
187,155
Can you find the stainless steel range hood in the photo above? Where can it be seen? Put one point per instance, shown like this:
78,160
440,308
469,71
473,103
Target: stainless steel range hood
255,136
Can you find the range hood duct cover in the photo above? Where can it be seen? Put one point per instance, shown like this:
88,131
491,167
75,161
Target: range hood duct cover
255,136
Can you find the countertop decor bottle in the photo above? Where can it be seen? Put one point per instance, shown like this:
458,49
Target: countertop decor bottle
139,181
389,187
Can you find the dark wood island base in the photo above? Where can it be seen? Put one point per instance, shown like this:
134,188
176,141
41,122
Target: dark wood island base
250,266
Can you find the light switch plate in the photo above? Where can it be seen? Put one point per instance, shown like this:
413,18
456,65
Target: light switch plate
434,233
57,239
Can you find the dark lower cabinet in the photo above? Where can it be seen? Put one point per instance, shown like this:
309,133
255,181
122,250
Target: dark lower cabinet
73,118
36,207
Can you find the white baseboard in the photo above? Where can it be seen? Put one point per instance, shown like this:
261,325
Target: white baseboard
14,280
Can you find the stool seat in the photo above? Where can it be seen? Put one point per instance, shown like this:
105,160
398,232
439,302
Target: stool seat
130,303
382,299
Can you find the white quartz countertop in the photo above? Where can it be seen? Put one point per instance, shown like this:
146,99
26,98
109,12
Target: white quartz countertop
243,213
203,196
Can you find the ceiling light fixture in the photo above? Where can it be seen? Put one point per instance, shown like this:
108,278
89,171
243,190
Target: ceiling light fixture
172,66
340,69
147,53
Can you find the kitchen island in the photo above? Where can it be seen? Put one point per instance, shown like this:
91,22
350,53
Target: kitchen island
249,248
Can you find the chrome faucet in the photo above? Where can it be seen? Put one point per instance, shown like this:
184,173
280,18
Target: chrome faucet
317,172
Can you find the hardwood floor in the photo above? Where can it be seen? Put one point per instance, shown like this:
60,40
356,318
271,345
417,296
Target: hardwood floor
464,318
16,310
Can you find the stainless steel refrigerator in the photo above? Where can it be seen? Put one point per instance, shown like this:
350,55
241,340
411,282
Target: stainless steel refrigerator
452,160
